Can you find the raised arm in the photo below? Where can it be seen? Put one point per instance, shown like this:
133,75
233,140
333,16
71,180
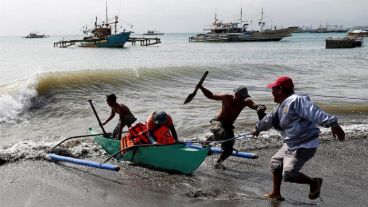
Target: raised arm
210,95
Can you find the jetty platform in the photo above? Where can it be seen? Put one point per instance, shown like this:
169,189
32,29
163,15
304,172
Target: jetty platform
144,41
343,42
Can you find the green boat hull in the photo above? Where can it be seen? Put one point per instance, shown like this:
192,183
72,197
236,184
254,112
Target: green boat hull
175,157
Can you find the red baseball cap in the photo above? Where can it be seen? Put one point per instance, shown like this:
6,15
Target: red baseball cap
282,81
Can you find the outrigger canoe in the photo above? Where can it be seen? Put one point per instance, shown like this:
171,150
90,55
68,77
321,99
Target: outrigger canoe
174,157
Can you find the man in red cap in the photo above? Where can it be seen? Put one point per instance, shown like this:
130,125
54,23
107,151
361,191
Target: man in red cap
296,118
222,126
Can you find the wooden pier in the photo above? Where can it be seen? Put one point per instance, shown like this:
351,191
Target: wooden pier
343,42
64,43
68,43
144,41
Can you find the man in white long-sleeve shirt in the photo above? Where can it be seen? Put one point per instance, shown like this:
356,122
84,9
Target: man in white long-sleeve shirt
297,120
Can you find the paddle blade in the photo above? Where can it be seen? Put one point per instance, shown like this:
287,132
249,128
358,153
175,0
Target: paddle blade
189,98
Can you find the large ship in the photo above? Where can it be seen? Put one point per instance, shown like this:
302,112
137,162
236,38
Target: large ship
233,32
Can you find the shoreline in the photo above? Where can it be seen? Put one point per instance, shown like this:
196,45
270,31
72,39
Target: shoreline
40,183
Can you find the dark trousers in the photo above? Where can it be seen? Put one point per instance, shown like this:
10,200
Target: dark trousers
227,146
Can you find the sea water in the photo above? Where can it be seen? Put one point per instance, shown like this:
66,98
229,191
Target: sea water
44,89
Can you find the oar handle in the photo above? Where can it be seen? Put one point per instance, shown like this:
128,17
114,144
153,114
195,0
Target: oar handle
201,81
191,96
98,119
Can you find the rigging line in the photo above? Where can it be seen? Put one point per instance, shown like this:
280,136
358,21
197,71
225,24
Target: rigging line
354,98
326,96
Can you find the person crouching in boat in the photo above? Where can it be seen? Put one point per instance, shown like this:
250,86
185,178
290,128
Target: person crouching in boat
161,128
126,118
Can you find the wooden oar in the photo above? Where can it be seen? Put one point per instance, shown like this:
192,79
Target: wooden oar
191,96
98,119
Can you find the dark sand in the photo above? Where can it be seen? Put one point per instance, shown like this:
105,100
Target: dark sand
342,165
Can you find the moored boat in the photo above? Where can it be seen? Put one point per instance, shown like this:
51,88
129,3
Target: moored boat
36,35
232,32
175,157
152,32
358,33
100,36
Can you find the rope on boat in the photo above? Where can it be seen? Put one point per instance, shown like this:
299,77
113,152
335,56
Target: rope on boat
246,135
324,96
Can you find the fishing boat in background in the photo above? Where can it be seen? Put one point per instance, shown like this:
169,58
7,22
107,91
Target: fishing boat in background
323,29
174,157
231,32
36,35
358,33
102,35
152,32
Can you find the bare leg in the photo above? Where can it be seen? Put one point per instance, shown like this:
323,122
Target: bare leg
276,185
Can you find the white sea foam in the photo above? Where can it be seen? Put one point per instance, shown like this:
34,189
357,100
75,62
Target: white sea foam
15,98
37,150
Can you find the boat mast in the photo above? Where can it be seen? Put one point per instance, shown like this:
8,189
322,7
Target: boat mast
116,22
261,23
107,20
215,15
241,15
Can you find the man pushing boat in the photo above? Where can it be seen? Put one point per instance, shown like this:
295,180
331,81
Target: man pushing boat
126,118
296,118
222,126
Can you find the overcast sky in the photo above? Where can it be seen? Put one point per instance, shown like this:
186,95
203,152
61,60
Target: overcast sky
61,17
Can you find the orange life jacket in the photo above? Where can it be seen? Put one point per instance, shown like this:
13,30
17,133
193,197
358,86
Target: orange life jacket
136,134
163,135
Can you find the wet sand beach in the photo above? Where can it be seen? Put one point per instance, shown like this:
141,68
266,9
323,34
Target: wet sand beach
342,165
